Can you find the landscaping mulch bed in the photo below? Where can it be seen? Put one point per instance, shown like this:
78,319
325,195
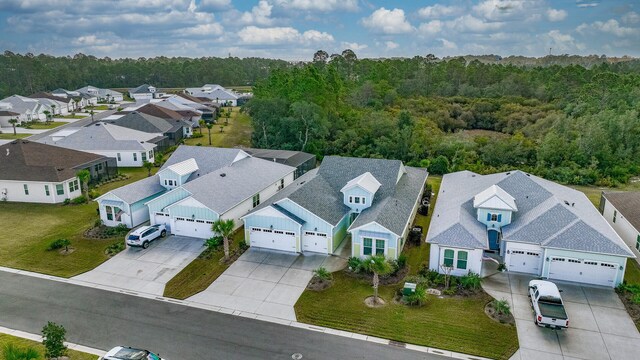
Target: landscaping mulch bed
384,280
100,233
632,308
318,284
495,316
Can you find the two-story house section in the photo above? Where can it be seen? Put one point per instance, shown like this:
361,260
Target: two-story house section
529,224
373,200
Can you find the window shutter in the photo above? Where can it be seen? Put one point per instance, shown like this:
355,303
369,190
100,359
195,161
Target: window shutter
499,217
488,217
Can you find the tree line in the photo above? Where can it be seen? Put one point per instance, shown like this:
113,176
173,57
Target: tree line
567,123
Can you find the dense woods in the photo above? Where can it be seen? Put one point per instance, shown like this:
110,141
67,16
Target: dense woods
567,123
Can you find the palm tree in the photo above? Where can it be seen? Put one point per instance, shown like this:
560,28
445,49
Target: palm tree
91,112
47,116
84,175
13,123
202,124
147,165
378,265
227,115
209,126
224,228
53,109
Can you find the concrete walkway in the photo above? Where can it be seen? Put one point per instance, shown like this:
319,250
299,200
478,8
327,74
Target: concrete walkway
146,270
599,326
265,282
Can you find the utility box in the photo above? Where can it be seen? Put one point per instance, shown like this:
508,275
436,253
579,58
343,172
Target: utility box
409,288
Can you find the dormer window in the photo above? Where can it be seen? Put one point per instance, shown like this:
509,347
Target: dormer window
357,200
494,217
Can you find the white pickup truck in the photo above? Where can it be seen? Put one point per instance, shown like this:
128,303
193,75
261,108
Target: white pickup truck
547,305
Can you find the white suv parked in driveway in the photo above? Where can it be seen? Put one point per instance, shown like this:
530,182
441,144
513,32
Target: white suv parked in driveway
146,234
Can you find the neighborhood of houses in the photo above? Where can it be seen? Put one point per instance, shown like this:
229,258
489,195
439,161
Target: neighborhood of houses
284,201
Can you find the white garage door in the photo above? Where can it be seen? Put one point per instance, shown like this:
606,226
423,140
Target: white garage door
315,241
162,218
192,227
273,239
584,271
525,261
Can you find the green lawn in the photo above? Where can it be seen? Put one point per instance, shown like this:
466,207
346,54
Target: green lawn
45,126
99,107
34,226
72,116
10,136
24,344
237,133
457,324
594,192
416,256
632,273
200,273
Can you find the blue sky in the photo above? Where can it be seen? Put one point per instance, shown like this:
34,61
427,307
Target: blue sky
295,29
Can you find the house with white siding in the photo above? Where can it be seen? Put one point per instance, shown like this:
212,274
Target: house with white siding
106,95
195,187
27,109
529,224
621,209
374,200
215,93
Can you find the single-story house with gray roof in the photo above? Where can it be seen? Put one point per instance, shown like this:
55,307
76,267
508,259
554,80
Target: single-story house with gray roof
529,224
195,187
374,200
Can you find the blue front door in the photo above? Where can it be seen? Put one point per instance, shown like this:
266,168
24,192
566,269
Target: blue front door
493,240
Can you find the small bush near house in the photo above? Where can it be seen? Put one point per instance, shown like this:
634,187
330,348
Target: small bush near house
354,264
242,245
66,202
12,352
502,307
97,223
418,298
322,273
79,200
401,262
197,135
93,194
471,281
59,244
214,242
53,338
115,248
121,229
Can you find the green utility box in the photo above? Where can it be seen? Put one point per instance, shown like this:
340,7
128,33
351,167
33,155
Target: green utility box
409,288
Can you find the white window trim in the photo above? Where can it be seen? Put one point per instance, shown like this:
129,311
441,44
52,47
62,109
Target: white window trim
373,245
455,257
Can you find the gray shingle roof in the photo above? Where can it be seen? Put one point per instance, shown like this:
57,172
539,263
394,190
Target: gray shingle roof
208,158
628,205
101,136
142,89
147,123
139,190
549,214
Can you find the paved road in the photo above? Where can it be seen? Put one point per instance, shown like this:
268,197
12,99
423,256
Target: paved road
103,319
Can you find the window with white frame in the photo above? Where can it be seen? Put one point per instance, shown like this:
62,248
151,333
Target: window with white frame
456,259
74,185
59,189
144,156
135,156
26,189
46,190
371,246
109,211
119,157
256,200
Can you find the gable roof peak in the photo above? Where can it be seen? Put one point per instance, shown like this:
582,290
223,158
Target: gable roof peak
494,197
366,181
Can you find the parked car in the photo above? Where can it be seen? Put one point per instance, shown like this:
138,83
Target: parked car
145,235
128,353
547,305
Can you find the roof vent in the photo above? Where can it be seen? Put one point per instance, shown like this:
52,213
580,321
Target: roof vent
98,124
223,175
573,204
566,202
59,169
509,173
528,174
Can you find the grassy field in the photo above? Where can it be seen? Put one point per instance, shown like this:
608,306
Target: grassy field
72,117
34,226
594,192
10,136
200,273
24,344
632,273
45,126
420,254
457,324
98,107
237,133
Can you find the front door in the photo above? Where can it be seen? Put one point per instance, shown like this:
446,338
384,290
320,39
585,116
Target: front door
493,240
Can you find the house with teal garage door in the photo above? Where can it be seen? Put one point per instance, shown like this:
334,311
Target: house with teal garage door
528,224
373,200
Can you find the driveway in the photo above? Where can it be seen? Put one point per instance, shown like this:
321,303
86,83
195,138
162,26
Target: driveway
146,270
265,282
600,327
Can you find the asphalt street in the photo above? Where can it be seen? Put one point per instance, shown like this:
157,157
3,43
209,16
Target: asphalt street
104,319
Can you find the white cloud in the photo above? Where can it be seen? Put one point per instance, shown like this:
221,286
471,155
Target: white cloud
212,29
391,45
214,5
259,14
353,46
254,35
469,23
509,10
631,17
562,43
610,26
556,15
585,5
438,11
385,21
319,5
430,28
449,45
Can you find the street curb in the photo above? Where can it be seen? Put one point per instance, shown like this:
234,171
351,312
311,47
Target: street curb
38,338
285,322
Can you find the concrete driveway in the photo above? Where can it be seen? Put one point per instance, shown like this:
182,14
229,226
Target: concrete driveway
146,270
599,326
264,282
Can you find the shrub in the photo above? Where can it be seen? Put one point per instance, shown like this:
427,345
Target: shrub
197,135
12,352
97,223
449,291
115,248
471,281
66,202
243,245
322,273
418,298
401,261
79,200
59,244
502,307
53,337
214,242
502,267
355,264
121,229
93,194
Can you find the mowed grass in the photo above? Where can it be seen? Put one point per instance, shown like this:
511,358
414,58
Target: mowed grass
456,324
10,136
237,133
30,228
200,273
45,126
21,343
418,255
632,273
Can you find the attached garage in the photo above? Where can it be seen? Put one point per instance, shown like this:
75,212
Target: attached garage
162,218
525,261
583,270
192,227
273,239
315,242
